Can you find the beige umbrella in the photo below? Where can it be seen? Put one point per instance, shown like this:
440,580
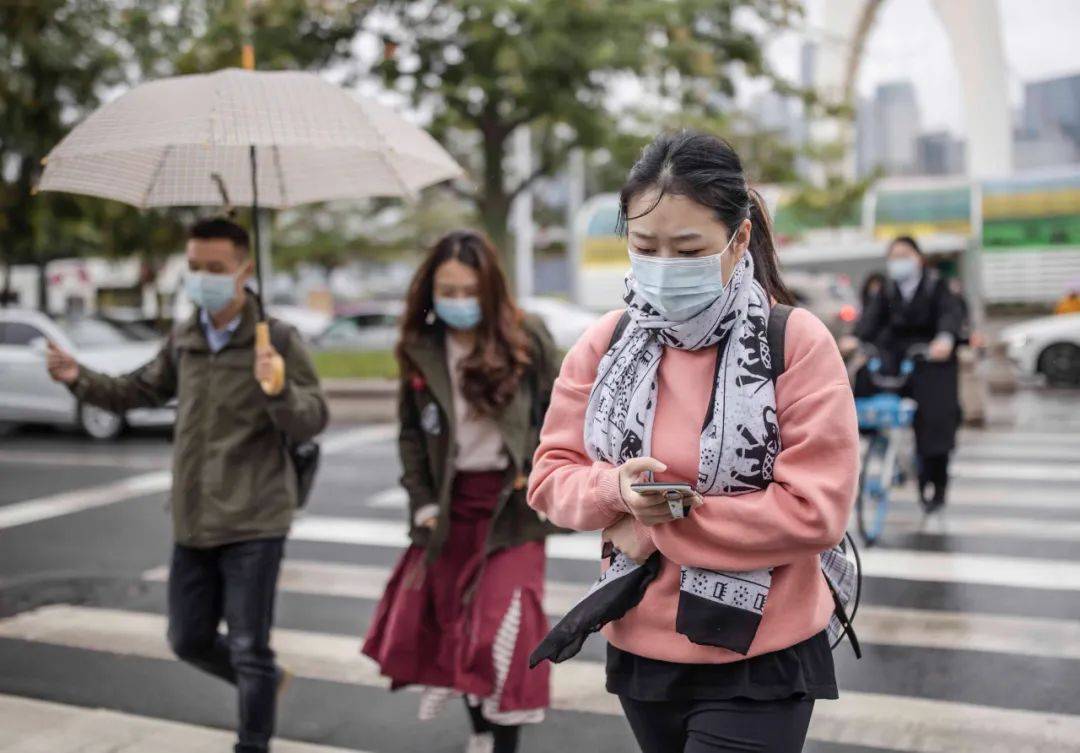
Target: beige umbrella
269,139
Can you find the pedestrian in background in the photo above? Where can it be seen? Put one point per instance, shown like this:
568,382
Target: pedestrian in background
234,491
914,308
686,391
464,605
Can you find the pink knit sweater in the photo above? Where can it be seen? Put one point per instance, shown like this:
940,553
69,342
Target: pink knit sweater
803,512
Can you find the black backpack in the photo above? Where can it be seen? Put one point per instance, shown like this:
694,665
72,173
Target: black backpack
303,456
847,589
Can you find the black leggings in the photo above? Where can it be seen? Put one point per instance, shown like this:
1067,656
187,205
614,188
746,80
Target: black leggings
735,726
505,737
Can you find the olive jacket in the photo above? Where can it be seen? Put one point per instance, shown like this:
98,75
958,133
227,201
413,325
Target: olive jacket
427,444
232,476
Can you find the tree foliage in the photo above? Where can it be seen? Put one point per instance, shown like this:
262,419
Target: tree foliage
483,68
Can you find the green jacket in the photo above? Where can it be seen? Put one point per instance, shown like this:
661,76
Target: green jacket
232,478
426,440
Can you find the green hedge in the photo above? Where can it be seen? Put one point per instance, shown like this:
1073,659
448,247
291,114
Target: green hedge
355,364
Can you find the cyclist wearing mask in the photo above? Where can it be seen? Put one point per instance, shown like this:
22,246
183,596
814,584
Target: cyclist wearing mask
915,308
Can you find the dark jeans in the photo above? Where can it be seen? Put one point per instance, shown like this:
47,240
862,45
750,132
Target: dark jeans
237,582
735,726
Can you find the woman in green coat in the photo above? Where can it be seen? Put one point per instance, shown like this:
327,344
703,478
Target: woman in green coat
464,605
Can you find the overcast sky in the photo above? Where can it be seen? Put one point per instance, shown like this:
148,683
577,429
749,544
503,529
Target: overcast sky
909,42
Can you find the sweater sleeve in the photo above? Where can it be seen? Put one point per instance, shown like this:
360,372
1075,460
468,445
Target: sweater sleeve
567,486
806,508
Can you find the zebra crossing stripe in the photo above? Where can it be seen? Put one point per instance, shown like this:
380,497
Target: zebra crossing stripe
1002,471
33,726
948,567
917,628
870,719
65,503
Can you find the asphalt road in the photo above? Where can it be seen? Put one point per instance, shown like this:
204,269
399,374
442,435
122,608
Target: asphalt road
970,623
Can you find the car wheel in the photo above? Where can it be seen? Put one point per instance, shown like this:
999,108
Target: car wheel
1061,364
99,423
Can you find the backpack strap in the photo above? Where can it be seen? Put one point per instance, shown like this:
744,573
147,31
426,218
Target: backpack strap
776,332
620,327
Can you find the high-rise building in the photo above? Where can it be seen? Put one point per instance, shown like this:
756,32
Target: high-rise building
1049,130
939,153
888,129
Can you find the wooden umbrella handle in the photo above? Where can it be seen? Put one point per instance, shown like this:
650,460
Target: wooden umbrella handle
276,382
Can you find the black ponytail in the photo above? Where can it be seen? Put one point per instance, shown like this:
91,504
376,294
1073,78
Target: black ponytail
706,169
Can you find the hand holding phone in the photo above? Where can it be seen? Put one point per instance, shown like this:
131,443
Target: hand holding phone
653,502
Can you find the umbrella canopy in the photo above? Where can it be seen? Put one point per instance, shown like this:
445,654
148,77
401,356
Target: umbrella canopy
160,144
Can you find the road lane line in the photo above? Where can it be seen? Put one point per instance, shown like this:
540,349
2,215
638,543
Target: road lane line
986,526
30,457
1057,473
871,719
358,438
33,726
65,503
918,628
946,567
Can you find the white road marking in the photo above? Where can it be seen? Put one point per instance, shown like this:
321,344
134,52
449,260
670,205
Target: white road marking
1067,452
875,624
1002,471
358,438
65,503
30,457
33,726
394,498
944,524
1002,494
1014,437
947,567
871,719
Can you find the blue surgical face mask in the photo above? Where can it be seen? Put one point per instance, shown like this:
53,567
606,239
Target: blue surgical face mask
209,291
902,269
458,313
679,288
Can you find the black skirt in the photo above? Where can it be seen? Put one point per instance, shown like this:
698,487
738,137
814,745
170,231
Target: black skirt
804,670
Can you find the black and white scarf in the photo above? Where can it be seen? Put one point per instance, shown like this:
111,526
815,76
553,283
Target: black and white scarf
739,441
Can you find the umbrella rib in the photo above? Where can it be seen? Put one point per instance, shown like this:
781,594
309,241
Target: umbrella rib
280,176
382,155
157,174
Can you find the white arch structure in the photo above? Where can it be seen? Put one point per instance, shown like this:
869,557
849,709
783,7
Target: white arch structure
974,31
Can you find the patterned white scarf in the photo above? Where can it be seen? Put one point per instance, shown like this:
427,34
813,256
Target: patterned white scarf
739,441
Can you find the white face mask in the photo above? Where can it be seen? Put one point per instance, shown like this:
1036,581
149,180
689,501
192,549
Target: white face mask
679,288
903,269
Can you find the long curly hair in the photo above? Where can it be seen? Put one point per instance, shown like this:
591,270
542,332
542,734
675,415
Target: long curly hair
503,351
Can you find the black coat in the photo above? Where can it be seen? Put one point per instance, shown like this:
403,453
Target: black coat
893,325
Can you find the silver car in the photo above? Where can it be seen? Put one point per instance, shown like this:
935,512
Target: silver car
29,396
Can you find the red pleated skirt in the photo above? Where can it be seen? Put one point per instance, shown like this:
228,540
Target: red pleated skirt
467,622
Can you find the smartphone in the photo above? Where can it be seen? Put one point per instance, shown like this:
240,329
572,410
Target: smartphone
675,492
662,487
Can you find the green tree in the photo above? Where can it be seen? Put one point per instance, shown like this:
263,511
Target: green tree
486,67
60,59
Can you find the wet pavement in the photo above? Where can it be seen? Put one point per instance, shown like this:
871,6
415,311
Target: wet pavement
970,622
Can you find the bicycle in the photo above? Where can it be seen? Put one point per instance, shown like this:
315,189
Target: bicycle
885,418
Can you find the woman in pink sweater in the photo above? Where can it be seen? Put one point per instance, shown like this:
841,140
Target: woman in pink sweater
727,648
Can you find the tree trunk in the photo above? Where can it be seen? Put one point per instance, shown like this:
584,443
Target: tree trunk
494,203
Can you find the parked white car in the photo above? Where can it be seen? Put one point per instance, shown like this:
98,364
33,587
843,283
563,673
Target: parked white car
1048,346
566,321
29,396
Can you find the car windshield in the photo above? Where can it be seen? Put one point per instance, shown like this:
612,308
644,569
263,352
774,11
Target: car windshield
94,333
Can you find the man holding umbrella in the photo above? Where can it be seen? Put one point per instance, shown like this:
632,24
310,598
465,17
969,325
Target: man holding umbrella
234,488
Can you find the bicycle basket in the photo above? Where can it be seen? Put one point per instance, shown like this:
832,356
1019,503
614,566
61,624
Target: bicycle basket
884,411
